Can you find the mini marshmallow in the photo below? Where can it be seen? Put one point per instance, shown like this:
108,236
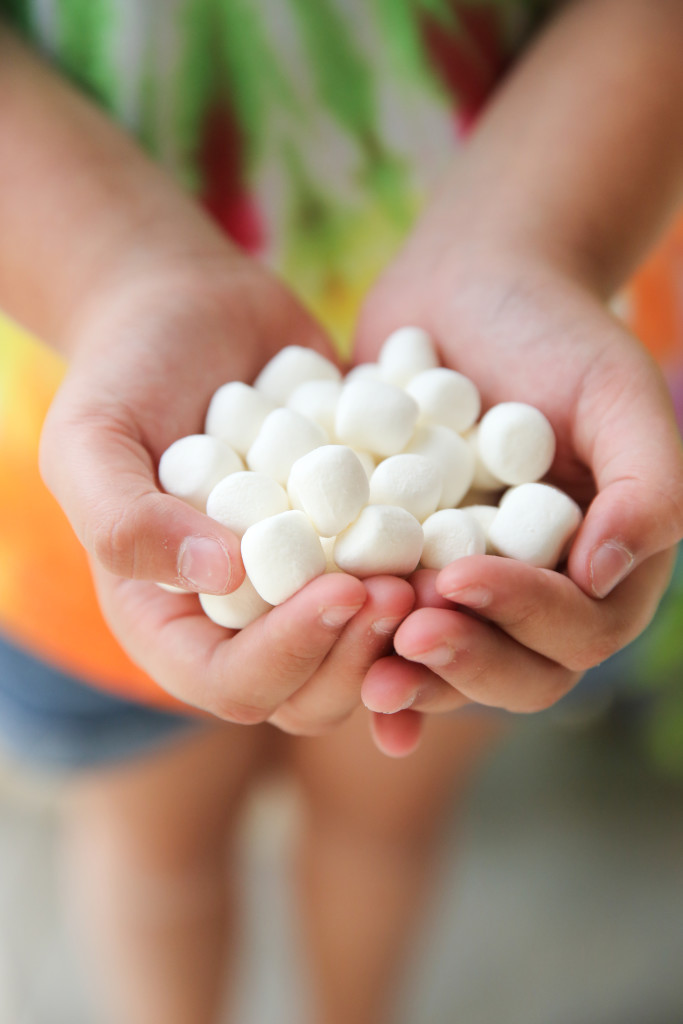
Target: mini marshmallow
281,554
192,466
242,499
453,457
405,353
483,479
375,416
366,460
236,413
534,524
317,400
445,397
329,484
516,442
383,539
369,371
449,534
283,438
290,367
236,610
412,481
484,514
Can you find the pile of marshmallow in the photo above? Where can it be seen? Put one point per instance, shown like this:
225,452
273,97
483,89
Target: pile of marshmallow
382,471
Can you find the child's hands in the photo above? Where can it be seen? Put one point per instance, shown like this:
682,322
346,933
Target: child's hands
525,331
148,354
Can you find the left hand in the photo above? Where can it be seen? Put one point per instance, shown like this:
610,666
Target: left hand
491,630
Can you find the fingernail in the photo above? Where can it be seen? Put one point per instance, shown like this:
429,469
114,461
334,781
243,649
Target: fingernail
393,711
610,563
388,626
472,597
437,657
338,615
204,565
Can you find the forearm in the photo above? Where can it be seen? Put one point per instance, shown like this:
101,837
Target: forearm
580,156
79,201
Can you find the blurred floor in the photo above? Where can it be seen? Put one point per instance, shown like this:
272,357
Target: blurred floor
560,899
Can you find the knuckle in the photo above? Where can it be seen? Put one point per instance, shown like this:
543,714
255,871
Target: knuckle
112,542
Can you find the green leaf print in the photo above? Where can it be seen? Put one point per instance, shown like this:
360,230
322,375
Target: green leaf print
86,31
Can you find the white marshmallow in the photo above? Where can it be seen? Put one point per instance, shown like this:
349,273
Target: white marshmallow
283,438
484,514
534,524
405,353
375,416
366,460
483,479
516,442
383,539
453,457
246,498
317,400
449,534
328,547
329,484
281,554
236,413
445,397
412,481
289,368
369,371
236,610
192,466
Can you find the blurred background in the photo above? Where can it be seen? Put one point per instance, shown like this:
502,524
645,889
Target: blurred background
559,896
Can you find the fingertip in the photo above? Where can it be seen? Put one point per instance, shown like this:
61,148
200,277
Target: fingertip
396,735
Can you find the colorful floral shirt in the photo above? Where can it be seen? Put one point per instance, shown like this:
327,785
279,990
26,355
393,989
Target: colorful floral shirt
312,131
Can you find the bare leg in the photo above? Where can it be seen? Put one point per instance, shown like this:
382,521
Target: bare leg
148,873
372,829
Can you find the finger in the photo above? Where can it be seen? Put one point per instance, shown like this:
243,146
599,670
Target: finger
393,685
396,735
333,693
545,611
481,662
240,677
423,582
626,432
105,480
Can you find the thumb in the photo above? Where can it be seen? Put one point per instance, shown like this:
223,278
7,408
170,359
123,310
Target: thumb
637,459
104,478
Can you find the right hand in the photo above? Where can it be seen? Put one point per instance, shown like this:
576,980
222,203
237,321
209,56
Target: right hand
148,354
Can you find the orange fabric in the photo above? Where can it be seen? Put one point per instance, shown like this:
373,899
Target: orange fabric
52,613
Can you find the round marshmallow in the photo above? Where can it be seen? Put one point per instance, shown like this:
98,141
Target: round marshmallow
484,514
329,484
236,610
449,534
236,413
281,554
453,457
284,437
317,400
516,442
383,539
483,479
412,481
445,397
405,353
246,498
192,466
369,371
289,368
366,460
375,416
534,524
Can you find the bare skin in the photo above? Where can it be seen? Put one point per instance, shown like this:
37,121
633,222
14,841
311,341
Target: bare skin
510,271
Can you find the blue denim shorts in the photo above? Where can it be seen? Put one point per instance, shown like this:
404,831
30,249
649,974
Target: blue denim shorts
50,721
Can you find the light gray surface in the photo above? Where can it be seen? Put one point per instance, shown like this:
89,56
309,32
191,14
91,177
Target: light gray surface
560,900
